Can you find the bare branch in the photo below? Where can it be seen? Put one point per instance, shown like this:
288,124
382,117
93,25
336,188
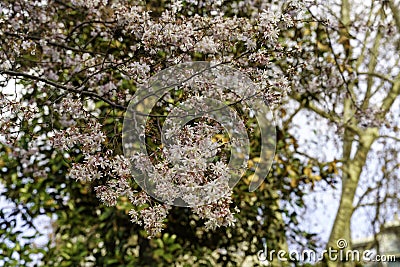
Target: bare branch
77,90
395,13
377,75
397,139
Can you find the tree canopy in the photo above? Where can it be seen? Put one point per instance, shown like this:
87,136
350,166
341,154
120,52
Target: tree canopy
79,65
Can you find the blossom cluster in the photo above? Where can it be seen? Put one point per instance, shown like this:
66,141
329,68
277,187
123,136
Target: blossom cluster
191,155
103,54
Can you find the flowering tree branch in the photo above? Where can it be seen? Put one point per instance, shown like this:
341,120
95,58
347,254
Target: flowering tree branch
77,90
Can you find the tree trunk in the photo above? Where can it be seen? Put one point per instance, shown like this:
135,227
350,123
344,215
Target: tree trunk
351,175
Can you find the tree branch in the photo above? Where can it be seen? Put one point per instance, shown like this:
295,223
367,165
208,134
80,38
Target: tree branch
52,43
397,139
395,13
377,75
76,90
371,68
391,97
323,113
